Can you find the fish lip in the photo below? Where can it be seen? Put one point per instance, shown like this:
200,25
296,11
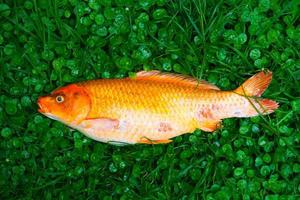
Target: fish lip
42,109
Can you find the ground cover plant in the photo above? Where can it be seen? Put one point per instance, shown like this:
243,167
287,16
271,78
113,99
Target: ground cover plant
46,44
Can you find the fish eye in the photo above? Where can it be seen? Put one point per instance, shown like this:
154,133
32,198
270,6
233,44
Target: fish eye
59,99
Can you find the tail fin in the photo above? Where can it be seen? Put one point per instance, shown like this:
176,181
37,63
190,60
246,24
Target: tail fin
255,87
268,105
261,106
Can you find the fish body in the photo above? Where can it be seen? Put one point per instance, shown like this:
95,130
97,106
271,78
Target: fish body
153,107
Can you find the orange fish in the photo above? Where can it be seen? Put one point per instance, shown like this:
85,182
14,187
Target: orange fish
153,107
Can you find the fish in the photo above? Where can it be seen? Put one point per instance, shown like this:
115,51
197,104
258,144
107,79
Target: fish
153,107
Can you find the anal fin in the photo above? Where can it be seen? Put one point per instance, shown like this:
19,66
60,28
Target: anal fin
145,140
210,126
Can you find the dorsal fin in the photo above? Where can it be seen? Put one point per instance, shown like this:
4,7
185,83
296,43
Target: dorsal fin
174,78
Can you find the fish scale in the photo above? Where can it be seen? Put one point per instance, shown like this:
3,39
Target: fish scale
164,105
153,107
175,105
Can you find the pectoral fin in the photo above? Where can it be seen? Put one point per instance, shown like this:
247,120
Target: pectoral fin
144,140
210,126
100,123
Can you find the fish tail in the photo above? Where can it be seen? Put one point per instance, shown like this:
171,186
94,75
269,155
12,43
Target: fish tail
252,89
260,106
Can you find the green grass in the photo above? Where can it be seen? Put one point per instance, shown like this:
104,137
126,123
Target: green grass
46,44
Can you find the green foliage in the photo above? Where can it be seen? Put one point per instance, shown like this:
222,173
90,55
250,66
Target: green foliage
45,44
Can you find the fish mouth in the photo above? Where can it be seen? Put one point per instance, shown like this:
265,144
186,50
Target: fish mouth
42,109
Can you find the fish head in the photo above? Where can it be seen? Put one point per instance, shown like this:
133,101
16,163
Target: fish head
70,104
